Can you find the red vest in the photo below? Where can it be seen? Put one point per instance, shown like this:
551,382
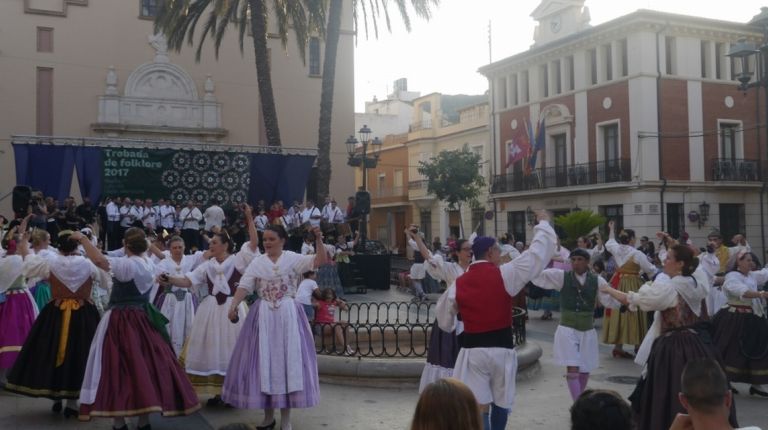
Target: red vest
484,304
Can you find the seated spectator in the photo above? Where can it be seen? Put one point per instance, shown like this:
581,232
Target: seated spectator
706,397
447,404
601,410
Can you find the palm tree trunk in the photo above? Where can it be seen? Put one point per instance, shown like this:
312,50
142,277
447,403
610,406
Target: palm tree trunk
326,98
263,71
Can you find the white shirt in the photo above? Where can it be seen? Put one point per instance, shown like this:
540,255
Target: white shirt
336,215
125,216
304,293
261,222
327,212
190,218
214,217
113,212
623,253
167,215
515,274
307,249
149,217
307,214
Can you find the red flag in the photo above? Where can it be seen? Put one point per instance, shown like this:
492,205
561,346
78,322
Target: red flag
517,149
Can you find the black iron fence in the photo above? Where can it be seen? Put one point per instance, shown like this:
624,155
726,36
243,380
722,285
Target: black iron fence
388,329
599,172
732,169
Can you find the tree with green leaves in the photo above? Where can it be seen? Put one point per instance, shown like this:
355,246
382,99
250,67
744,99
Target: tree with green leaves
178,21
454,177
577,224
371,10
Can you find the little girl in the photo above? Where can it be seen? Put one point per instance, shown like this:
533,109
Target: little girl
327,307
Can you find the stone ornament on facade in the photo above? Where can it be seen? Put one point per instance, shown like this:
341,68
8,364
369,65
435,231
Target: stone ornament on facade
159,97
728,102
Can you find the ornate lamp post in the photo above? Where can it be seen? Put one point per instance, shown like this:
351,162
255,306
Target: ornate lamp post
741,53
356,159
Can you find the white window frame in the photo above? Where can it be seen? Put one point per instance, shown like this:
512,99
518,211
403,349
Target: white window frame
599,141
739,137
549,145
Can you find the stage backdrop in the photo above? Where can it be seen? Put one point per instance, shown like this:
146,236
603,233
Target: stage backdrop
205,177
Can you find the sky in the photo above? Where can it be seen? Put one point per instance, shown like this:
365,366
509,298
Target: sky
443,55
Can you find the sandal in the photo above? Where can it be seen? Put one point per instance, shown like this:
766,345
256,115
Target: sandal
620,353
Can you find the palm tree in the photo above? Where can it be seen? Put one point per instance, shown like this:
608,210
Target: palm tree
178,19
372,9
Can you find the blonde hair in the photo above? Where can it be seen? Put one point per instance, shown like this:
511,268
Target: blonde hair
447,404
39,236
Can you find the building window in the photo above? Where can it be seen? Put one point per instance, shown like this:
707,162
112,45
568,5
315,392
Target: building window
592,61
397,187
558,77
149,8
730,135
478,219
561,159
516,223
544,80
675,219
44,39
513,86
525,95
381,184
608,62
670,47
502,92
610,141
44,102
613,212
624,57
314,56
719,56
571,82
705,59
732,220
425,225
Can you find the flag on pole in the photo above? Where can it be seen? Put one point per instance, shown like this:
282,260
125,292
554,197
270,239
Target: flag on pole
517,148
538,142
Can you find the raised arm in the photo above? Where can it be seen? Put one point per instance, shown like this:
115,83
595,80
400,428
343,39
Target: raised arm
550,279
530,263
412,234
23,245
252,234
320,257
91,251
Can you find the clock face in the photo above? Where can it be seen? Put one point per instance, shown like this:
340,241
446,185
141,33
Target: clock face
556,23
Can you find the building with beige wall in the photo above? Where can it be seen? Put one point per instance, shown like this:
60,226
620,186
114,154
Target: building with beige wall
87,68
643,123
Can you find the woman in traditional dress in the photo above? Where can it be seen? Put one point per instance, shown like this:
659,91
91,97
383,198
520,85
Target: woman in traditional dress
625,327
679,296
39,287
274,363
212,338
132,370
17,306
741,329
443,347
177,304
328,274
52,362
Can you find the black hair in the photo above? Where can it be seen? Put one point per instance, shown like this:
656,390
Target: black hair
65,245
704,385
308,273
626,235
601,410
684,254
224,237
278,230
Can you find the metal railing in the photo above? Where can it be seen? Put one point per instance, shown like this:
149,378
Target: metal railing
599,172
388,329
733,169
418,185
390,192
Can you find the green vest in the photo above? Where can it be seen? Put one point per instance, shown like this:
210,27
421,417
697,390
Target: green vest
577,304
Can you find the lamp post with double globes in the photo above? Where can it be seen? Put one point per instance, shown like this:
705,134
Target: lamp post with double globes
362,159
740,54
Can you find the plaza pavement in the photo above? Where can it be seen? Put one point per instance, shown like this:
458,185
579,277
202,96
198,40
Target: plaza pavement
542,399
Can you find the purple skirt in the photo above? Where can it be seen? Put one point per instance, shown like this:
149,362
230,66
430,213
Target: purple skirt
17,314
242,385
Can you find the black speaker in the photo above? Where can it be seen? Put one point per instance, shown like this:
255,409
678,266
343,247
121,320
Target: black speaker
363,202
22,195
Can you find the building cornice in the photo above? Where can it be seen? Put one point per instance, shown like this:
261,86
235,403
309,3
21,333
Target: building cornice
62,12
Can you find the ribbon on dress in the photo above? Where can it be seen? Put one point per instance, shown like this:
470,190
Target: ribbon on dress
66,306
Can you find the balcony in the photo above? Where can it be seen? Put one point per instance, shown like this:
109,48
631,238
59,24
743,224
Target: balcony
389,192
418,185
600,172
734,169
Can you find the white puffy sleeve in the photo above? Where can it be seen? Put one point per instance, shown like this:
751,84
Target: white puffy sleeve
644,263
244,257
734,285
446,309
249,278
530,263
760,276
198,276
659,295
605,299
36,266
550,279
438,268
101,279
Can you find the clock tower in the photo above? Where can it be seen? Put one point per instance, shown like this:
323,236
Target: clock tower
559,18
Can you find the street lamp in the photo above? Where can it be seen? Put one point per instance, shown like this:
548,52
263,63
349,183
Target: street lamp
741,52
356,159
